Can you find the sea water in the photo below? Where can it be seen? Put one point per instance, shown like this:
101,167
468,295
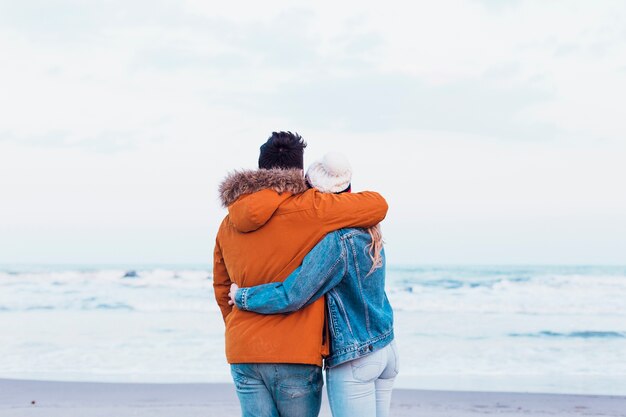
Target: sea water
495,328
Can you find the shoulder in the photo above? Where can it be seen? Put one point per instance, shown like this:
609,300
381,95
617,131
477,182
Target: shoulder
330,243
338,238
224,225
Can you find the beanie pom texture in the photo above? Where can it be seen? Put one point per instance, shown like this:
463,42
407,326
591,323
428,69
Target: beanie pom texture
332,174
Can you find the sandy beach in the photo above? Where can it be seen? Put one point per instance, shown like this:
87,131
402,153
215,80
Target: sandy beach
21,398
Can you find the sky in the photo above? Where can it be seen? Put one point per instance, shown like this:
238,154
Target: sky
494,129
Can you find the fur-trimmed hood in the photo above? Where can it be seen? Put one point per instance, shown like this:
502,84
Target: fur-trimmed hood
264,191
250,181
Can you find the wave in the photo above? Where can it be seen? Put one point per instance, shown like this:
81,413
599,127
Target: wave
114,306
527,291
482,290
586,334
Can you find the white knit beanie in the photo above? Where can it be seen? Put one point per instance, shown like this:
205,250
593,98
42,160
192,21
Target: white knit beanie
332,174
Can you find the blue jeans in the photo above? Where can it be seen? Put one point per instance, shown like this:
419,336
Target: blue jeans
362,387
278,390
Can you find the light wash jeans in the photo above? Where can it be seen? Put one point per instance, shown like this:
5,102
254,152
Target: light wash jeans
278,389
362,387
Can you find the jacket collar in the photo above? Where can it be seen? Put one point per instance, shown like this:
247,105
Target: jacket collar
252,197
243,182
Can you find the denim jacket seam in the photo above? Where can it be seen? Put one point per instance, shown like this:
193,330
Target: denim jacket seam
343,312
334,325
358,276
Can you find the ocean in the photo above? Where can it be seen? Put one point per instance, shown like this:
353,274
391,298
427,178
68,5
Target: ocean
481,328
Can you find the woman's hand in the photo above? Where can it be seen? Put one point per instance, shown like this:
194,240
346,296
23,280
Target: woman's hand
233,290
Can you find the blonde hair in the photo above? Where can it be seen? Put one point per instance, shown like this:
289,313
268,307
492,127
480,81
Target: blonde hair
375,248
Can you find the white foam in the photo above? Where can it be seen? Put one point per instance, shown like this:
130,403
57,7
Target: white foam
526,326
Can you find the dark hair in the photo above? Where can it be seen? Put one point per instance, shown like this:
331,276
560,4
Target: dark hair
282,150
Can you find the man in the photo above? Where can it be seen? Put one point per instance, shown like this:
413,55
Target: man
274,219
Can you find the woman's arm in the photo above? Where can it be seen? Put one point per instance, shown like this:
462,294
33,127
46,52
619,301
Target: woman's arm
322,268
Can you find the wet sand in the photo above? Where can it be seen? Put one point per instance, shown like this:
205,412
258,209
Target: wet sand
86,399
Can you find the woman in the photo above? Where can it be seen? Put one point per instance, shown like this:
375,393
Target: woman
348,266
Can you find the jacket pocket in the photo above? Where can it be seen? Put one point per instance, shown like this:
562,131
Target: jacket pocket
367,368
239,378
300,382
337,336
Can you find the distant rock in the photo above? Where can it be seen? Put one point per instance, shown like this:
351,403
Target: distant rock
131,274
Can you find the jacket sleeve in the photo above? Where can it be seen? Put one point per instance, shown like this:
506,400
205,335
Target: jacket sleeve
322,268
338,211
221,281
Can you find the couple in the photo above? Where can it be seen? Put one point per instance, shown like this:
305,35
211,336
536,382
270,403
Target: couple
286,242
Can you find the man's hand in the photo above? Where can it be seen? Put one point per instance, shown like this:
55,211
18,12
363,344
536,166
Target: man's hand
233,290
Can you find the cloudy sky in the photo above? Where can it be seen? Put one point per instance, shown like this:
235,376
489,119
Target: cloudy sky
494,128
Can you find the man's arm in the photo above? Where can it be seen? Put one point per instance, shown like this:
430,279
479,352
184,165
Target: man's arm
338,211
221,281
322,268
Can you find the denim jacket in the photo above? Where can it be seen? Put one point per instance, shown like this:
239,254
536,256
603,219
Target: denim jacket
359,315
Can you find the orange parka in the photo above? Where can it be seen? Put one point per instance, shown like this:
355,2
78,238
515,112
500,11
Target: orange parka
273,221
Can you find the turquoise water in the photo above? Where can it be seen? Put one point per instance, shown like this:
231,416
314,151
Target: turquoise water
502,328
